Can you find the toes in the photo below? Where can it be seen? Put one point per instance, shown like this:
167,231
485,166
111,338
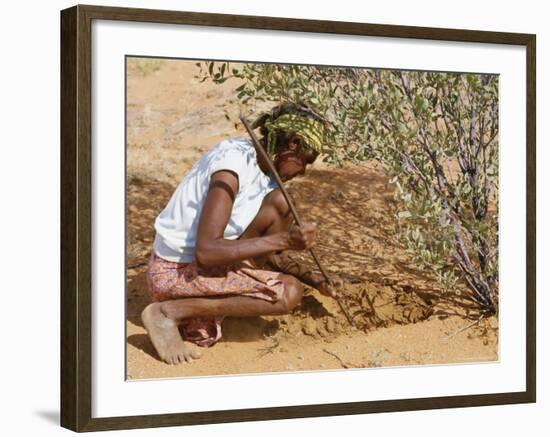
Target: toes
182,356
172,359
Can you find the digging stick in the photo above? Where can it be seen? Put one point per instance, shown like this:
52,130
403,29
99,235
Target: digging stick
263,153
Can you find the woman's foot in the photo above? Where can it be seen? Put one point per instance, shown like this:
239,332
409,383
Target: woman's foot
165,336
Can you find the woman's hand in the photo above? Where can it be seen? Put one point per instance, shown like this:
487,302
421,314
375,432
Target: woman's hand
321,284
301,237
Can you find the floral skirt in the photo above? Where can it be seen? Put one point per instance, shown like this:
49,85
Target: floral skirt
171,280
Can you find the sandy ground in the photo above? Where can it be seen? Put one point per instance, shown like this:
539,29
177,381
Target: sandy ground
401,316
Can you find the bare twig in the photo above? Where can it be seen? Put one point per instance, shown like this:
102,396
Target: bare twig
377,320
448,337
268,350
342,362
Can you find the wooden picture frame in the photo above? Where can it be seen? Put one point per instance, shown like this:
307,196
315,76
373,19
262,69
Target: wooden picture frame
76,217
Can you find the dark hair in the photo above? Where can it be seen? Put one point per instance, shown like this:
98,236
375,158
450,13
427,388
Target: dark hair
283,137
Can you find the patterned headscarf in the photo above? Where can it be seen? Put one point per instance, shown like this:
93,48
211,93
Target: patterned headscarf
311,130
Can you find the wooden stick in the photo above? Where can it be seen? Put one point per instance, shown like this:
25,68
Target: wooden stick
263,153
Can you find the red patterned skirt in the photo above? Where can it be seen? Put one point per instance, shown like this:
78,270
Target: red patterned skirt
171,280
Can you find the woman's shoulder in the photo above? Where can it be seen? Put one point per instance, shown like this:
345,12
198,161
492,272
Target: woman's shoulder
238,143
236,154
239,148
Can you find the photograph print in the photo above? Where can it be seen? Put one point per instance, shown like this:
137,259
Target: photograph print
288,218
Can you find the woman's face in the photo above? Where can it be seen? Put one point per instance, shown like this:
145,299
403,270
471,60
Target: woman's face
293,159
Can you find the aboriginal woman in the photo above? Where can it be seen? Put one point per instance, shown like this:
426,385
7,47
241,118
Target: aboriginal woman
223,240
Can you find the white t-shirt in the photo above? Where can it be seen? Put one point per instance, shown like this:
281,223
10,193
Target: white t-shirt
176,226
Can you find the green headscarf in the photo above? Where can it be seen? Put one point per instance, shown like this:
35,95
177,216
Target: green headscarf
311,130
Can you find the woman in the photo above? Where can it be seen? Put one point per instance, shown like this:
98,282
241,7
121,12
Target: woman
224,224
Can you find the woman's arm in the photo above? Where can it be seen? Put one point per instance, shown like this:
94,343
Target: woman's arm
211,248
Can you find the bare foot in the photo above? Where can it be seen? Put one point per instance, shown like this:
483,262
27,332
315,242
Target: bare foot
165,336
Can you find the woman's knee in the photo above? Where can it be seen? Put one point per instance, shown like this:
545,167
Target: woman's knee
277,200
292,295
